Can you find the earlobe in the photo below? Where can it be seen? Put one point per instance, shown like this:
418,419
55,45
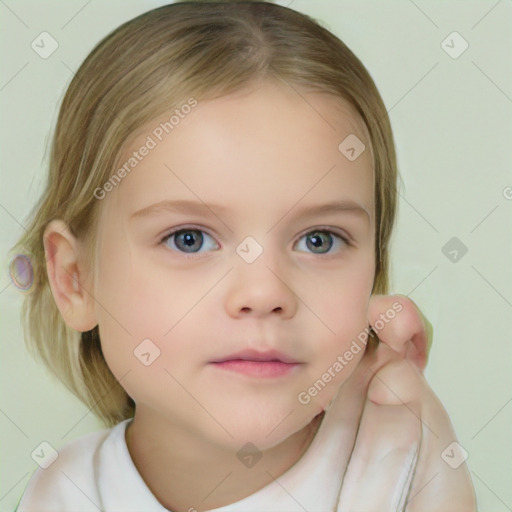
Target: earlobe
405,330
67,277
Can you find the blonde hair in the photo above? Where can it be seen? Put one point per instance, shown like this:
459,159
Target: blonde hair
145,67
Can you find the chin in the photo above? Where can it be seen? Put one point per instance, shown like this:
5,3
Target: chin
269,429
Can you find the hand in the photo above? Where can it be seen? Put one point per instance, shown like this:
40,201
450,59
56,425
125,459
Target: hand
398,427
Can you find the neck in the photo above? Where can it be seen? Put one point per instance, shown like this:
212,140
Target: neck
185,472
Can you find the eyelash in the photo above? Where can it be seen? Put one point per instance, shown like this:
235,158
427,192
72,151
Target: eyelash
345,239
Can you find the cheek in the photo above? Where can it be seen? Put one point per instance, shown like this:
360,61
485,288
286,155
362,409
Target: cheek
137,297
342,307
140,302
343,298
124,313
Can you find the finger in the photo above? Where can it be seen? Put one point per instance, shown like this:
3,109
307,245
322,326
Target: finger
383,461
344,412
442,481
400,324
396,383
382,464
383,456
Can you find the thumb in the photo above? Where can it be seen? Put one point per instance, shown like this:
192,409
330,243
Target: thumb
401,326
380,470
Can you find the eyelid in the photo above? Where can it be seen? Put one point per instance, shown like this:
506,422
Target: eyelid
332,229
337,231
172,231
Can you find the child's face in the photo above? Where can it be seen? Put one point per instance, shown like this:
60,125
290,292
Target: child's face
262,157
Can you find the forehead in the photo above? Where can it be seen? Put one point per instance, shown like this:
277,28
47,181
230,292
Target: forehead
270,146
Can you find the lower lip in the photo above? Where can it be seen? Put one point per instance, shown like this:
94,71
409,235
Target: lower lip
257,368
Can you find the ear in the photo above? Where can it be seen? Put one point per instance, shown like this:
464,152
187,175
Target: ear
402,327
67,277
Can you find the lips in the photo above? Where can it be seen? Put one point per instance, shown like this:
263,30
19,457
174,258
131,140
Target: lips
268,365
254,355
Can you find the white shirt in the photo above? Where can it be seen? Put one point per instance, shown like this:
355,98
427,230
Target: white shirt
96,473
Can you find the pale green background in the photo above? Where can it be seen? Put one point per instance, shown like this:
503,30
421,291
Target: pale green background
452,120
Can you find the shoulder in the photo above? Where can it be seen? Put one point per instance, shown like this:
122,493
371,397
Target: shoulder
70,482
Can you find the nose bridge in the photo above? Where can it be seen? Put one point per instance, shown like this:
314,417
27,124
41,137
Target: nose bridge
250,250
259,280
262,254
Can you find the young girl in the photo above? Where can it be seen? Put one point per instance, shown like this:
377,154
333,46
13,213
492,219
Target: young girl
210,264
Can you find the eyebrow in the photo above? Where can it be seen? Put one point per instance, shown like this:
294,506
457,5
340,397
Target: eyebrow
187,206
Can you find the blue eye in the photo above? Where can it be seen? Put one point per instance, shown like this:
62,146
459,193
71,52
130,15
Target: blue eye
191,240
187,240
323,239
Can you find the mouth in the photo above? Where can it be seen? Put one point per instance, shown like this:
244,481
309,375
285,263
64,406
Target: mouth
258,364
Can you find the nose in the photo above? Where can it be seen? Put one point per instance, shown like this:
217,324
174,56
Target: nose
260,288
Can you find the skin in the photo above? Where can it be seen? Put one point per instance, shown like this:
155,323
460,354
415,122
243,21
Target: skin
263,155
